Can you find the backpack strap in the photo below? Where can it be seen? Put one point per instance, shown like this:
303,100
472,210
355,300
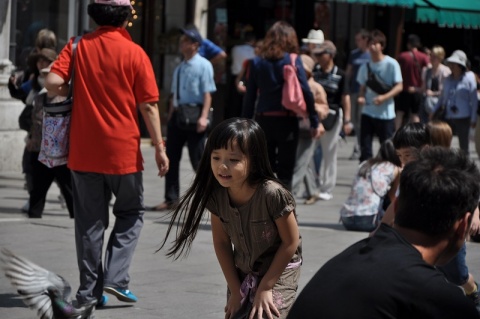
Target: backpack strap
293,58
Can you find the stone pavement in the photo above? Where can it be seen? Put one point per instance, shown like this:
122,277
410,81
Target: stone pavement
192,287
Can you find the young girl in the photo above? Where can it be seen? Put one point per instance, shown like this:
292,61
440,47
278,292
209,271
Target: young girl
250,210
375,179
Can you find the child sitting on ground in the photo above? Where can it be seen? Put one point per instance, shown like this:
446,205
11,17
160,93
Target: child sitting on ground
376,178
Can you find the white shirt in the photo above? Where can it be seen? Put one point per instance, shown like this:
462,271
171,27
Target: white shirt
241,53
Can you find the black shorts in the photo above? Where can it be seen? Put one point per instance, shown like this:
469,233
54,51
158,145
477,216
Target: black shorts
408,102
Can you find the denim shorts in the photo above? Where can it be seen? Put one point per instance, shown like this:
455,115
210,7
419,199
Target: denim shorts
360,223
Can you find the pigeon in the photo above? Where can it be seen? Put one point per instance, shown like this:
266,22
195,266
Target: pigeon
42,290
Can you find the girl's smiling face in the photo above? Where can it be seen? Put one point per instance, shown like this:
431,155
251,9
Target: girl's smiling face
230,166
407,154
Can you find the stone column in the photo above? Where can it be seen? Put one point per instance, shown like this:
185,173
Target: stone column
11,137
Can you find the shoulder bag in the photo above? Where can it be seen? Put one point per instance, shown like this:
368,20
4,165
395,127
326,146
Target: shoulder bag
56,124
188,114
375,83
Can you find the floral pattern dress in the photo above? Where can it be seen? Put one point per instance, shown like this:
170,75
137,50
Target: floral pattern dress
367,193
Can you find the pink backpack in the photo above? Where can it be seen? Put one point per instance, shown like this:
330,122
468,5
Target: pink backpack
292,95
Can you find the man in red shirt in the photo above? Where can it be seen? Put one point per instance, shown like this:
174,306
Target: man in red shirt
409,101
112,78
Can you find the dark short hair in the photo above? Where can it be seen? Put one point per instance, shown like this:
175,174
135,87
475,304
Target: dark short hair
364,33
379,37
106,15
414,135
414,41
437,190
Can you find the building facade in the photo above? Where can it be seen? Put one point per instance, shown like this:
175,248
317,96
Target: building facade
154,26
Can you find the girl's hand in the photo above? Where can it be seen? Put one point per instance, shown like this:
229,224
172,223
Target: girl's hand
233,305
263,302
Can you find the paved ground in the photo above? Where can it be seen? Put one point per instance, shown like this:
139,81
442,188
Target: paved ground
193,287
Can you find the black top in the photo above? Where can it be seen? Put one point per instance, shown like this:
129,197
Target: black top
334,84
381,277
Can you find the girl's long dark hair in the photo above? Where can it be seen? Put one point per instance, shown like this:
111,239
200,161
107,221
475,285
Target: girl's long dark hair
187,215
386,153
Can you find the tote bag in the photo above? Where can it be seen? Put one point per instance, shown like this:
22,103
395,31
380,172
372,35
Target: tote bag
56,125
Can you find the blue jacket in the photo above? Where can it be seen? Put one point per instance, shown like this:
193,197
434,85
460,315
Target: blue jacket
266,81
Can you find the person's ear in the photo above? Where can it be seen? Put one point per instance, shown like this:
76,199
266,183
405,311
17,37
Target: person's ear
463,226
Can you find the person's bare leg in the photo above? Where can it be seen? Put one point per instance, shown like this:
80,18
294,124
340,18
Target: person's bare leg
414,118
398,119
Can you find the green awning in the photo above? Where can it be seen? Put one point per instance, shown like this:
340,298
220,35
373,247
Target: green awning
449,13
400,3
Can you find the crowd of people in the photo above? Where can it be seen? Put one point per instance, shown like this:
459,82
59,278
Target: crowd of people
417,196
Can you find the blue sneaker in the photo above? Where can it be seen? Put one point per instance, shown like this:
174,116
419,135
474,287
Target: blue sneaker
124,295
102,302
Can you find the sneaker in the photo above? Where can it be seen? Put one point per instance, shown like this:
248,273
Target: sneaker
102,302
311,200
325,196
26,207
355,154
61,199
124,295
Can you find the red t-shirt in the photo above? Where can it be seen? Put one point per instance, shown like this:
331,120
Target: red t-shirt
112,76
411,70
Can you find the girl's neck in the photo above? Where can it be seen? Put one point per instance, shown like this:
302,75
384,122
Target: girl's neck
241,196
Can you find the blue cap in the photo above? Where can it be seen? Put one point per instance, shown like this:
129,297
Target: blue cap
192,34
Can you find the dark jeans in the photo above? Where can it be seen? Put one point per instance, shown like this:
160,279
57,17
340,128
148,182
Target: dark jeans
281,133
461,128
384,129
176,139
42,178
235,100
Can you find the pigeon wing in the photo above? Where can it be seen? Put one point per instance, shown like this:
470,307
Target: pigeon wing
32,281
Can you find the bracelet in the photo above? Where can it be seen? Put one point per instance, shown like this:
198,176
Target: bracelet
347,122
159,143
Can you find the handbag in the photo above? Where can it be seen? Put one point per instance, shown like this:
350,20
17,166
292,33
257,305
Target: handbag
188,114
292,94
56,125
375,83
331,119
25,118
430,102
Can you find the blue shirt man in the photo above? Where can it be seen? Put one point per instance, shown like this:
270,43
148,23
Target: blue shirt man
193,78
192,86
378,114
